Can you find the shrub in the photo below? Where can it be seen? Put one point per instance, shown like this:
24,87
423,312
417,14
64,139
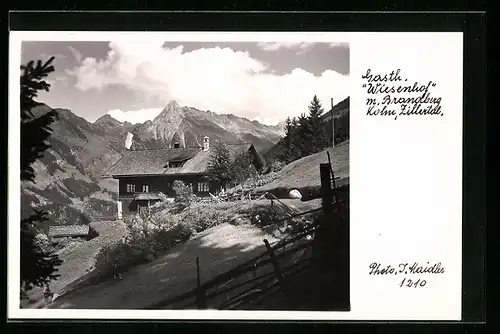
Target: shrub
145,241
115,258
261,214
42,242
201,217
183,194
276,166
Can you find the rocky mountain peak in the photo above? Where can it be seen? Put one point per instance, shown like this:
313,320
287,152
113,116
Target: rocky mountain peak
172,104
171,110
107,119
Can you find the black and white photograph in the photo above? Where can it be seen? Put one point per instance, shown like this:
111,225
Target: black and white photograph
185,175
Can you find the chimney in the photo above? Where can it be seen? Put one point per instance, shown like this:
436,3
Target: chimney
128,140
332,102
206,143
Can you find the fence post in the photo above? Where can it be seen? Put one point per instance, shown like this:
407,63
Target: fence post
201,302
343,253
277,271
326,189
333,247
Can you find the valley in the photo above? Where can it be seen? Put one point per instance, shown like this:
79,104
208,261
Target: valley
69,177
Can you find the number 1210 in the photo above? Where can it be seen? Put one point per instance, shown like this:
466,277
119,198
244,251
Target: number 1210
409,283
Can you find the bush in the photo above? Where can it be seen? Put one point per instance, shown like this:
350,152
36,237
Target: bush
276,166
183,194
115,258
201,217
262,214
146,240
42,242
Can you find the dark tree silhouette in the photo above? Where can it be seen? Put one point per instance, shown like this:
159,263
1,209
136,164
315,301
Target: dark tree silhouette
219,167
241,167
319,138
304,135
38,266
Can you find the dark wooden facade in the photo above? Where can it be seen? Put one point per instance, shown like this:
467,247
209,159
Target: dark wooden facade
142,182
129,187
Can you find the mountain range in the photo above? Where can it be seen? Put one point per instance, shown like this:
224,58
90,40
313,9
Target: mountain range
188,126
68,177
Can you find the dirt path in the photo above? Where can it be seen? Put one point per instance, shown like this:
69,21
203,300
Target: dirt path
219,248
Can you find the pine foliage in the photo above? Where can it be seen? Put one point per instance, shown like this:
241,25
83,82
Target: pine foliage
304,135
38,266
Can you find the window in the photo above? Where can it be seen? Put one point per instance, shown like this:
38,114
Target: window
131,188
145,188
203,187
175,164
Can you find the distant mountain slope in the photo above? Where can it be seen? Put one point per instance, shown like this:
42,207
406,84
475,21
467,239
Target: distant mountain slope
190,125
68,182
67,186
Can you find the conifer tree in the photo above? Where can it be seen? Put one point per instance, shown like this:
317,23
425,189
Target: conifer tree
304,136
38,266
287,143
319,138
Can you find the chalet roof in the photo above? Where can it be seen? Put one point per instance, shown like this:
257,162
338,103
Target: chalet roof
68,231
153,162
183,155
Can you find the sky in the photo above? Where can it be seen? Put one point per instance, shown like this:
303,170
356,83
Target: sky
133,82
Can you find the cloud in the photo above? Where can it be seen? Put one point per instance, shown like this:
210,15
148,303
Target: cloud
46,56
135,116
58,80
217,79
344,45
275,46
76,53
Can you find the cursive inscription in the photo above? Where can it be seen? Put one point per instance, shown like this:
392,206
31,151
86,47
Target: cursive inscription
406,269
391,95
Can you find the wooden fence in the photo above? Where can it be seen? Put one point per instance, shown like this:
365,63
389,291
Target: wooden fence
265,280
251,282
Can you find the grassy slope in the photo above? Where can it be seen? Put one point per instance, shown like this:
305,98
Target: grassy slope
219,248
78,258
304,173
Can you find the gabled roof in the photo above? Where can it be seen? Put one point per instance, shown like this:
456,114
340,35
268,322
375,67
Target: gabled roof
68,231
153,162
183,155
